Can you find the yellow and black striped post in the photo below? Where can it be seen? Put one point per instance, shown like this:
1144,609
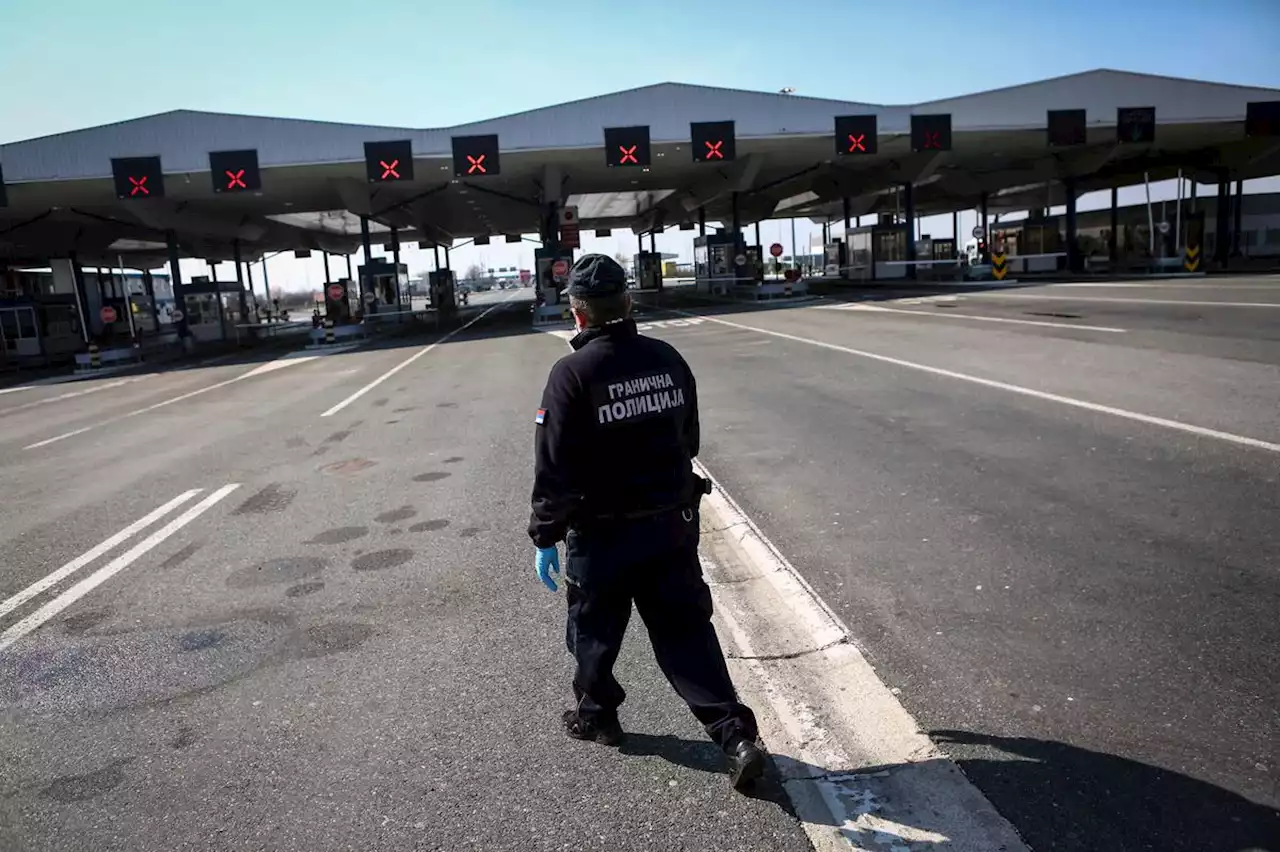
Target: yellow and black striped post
999,265
1195,240
328,330
95,359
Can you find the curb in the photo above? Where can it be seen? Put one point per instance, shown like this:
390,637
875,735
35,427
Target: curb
855,764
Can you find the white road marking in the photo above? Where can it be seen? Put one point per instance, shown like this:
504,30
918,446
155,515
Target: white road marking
951,315
72,394
93,553
115,566
257,371
1189,428
406,362
1124,300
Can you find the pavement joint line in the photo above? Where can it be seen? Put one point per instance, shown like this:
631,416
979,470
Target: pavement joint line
270,366
790,655
950,315
1125,300
52,608
1136,416
414,357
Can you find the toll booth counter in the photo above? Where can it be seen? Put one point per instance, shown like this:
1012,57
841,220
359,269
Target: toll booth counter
1033,246
551,271
384,285
647,269
880,250
715,263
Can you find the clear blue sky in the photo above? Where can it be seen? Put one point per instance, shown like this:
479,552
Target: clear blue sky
67,64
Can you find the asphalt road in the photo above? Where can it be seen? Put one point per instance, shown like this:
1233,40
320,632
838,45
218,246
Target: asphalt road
1059,543
348,651
1081,606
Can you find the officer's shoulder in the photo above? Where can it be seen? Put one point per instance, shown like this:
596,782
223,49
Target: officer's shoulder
662,347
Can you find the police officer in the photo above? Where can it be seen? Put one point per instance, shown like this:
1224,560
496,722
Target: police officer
615,437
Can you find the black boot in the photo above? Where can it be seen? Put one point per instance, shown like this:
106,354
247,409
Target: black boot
746,763
605,733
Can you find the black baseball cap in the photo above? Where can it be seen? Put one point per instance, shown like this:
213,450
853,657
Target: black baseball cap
596,275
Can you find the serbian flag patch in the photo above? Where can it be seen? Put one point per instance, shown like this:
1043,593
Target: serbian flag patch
540,416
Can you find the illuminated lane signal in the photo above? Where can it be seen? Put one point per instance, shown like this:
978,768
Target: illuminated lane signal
235,171
856,135
627,146
1066,127
713,141
476,156
137,177
1136,125
931,132
388,162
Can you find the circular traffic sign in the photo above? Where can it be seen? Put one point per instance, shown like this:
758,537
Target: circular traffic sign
792,274
740,260
108,314
337,292
370,297
560,268
177,316
1164,227
776,249
978,232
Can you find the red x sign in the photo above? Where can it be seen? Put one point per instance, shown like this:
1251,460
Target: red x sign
477,165
235,180
855,142
933,139
713,150
389,169
628,154
139,186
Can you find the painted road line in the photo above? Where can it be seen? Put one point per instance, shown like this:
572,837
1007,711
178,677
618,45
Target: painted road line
1158,284
950,315
272,366
93,553
72,395
1189,428
115,566
1124,300
414,357
854,763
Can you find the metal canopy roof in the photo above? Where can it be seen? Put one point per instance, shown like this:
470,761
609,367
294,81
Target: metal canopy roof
62,198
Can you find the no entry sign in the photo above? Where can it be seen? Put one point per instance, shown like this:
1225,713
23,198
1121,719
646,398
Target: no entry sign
337,292
776,249
108,315
560,268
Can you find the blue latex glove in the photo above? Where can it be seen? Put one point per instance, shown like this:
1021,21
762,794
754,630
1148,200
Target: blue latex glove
547,562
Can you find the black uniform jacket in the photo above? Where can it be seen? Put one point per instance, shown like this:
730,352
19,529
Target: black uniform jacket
616,433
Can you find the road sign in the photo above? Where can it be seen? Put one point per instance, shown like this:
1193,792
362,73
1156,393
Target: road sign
740,260
792,274
235,171
713,141
626,146
570,233
931,132
370,297
560,268
476,156
108,314
177,316
1163,227
978,233
855,135
386,162
337,292
776,249
138,177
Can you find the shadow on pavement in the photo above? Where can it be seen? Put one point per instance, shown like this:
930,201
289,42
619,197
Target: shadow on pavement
1062,797
1059,797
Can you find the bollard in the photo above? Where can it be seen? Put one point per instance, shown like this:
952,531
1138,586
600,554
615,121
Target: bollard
328,330
95,360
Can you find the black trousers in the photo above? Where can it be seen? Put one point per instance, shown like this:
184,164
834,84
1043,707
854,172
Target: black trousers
655,565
